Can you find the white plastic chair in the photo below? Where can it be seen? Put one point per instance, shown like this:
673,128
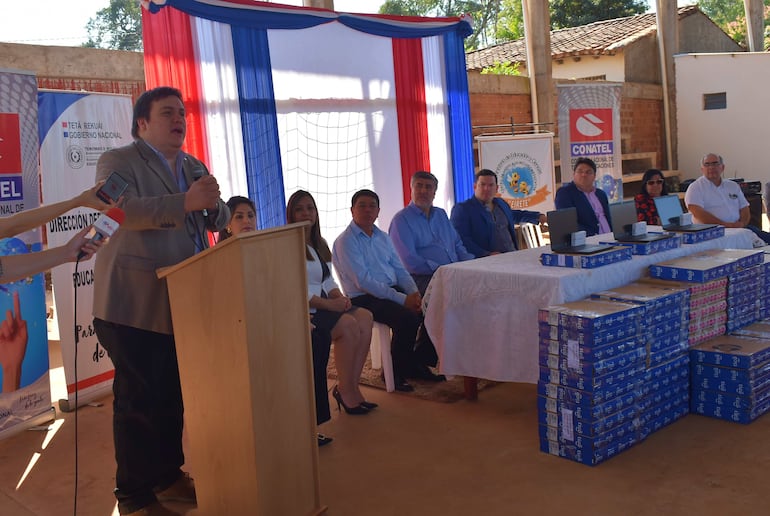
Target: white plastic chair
379,350
532,235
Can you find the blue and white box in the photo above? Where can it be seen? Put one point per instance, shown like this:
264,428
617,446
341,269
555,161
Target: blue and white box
586,261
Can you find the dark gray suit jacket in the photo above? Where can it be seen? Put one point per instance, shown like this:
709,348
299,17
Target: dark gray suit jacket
155,233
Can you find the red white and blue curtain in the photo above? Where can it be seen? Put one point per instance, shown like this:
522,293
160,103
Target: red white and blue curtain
281,98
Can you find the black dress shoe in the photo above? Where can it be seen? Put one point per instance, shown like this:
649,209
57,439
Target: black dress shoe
323,440
424,373
369,405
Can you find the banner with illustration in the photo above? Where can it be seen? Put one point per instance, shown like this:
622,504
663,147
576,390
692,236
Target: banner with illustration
75,129
524,168
25,392
589,126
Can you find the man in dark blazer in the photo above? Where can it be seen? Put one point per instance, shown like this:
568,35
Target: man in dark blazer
164,224
485,222
593,209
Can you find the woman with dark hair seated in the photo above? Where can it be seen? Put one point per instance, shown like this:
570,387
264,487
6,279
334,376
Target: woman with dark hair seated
334,317
653,185
243,217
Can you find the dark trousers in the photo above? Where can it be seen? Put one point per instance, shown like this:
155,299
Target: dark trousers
147,412
404,324
422,280
321,341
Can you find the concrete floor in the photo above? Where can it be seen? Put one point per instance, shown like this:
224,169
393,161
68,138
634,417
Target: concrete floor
415,457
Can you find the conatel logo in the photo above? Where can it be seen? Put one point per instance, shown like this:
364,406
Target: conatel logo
590,125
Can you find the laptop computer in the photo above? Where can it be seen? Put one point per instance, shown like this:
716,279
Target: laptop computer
669,209
561,225
623,216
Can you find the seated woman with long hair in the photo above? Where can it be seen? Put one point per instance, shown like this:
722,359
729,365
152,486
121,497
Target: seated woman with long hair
349,327
653,185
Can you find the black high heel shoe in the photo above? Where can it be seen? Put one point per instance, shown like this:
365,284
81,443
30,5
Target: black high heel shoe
368,405
354,411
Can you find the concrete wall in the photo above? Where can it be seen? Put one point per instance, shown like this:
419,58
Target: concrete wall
581,67
641,60
697,33
76,68
739,133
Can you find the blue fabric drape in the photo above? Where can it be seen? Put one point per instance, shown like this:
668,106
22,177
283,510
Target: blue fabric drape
264,174
378,27
459,110
266,16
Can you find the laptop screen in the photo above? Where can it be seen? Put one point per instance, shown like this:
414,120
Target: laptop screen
623,216
561,224
669,207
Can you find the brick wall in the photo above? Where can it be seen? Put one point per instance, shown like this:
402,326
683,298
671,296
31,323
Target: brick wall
495,99
641,126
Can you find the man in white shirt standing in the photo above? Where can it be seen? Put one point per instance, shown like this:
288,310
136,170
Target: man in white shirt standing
712,200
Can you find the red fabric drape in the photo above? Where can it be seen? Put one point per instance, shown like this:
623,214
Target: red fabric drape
169,60
411,109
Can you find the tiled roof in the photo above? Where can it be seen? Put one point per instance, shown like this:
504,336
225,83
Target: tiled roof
598,38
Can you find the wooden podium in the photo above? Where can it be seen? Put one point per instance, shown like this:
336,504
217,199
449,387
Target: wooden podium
243,342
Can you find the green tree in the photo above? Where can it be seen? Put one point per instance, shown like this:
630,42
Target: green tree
573,13
117,27
730,15
510,24
485,15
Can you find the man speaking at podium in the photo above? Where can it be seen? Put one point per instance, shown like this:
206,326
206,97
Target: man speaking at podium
170,202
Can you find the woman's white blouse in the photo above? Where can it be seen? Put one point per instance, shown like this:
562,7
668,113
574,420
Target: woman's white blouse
315,278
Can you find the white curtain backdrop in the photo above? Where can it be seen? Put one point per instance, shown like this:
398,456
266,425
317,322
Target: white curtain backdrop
341,134
221,112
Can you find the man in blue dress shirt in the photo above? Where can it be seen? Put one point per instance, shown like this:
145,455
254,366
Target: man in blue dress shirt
422,234
374,278
485,222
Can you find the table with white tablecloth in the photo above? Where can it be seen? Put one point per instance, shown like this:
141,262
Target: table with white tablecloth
482,314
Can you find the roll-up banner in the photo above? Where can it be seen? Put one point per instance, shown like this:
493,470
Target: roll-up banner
589,126
25,392
75,129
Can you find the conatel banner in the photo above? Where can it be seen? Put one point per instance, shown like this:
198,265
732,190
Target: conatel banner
25,391
589,126
524,168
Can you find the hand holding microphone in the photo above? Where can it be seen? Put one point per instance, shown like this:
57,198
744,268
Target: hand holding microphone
105,226
202,194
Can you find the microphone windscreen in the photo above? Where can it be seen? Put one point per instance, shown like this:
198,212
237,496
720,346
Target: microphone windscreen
116,214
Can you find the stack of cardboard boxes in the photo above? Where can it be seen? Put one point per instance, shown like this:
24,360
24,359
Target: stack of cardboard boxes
592,364
664,326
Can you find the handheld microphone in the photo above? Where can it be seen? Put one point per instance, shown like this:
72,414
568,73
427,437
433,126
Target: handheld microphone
198,173
105,226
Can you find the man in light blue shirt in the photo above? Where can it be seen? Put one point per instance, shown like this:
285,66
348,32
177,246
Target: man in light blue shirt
422,234
374,278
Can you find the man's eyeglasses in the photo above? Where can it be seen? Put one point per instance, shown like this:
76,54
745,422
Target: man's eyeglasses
654,182
711,164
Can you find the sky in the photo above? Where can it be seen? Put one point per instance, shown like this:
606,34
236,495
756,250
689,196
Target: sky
63,22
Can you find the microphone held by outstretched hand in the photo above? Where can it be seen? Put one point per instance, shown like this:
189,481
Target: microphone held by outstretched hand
105,226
